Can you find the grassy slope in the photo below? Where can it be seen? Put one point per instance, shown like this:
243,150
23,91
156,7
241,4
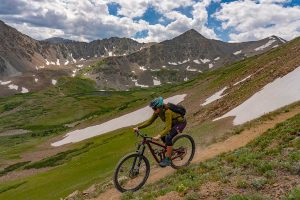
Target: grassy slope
45,113
86,168
252,172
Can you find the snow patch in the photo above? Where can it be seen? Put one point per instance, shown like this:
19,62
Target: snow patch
237,52
269,43
24,90
82,59
47,62
54,82
217,95
156,81
210,65
275,46
186,79
191,69
5,82
217,58
138,85
282,40
67,62
57,62
79,66
13,87
205,60
172,63
281,92
242,80
36,80
127,120
74,60
143,68
196,61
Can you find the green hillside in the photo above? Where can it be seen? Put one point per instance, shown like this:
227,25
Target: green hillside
267,168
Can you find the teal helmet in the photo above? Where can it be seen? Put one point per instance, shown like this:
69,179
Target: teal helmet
157,102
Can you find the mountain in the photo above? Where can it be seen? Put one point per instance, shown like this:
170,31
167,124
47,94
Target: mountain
175,60
115,63
58,40
33,65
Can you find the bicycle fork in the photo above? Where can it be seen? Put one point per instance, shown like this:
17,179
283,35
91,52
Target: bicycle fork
137,161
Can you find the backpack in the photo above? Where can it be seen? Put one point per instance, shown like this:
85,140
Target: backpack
177,108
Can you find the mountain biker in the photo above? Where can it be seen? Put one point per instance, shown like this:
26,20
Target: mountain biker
174,123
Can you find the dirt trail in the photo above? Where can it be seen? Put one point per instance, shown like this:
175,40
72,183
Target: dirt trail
232,143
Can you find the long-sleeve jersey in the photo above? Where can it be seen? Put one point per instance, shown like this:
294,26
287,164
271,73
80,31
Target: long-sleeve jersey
167,116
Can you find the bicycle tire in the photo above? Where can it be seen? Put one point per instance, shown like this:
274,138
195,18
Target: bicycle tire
177,138
118,186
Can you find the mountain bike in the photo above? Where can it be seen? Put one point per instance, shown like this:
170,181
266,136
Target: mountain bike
133,169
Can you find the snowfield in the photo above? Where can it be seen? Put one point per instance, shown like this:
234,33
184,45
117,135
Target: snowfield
269,43
217,95
129,119
281,92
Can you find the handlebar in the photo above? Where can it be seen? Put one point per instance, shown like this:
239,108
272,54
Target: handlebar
138,133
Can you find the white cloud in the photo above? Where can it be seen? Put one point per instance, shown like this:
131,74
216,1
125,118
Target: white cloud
252,20
90,19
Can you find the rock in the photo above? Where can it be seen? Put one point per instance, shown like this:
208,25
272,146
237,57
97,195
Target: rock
77,195
91,191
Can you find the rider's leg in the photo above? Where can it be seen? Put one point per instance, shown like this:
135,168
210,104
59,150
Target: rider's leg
168,141
169,151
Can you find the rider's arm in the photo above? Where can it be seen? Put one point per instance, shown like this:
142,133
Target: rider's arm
149,121
168,126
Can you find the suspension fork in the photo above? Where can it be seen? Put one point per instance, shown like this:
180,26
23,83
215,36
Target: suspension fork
140,150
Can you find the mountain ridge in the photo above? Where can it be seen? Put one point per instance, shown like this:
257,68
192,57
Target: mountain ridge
130,63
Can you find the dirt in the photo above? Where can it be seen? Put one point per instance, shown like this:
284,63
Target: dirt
20,174
13,132
230,144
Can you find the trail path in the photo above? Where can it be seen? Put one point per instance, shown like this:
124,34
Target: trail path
232,143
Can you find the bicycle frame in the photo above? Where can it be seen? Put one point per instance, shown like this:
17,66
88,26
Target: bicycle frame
148,141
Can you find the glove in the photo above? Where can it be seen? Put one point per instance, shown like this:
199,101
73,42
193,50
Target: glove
157,137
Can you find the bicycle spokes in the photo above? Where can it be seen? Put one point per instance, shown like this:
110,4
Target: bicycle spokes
131,173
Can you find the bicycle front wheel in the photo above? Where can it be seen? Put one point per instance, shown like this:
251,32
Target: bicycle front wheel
183,151
131,173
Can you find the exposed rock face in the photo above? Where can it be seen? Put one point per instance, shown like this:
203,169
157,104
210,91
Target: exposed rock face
176,60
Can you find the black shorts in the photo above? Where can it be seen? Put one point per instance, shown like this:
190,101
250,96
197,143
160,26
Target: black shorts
167,139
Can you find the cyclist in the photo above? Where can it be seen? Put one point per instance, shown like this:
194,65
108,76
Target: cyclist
174,123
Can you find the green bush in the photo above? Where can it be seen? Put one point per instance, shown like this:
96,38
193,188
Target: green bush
13,167
294,194
259,183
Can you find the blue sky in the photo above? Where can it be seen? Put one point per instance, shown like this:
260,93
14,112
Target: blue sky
153,20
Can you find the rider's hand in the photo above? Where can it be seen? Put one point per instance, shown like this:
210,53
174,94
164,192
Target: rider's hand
136,129
156,137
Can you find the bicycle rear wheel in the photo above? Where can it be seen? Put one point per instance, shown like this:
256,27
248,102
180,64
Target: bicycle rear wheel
131,173
183,151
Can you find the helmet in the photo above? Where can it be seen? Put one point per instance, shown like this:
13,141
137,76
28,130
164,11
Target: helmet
157,102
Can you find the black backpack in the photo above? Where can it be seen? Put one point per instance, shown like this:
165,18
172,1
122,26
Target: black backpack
177,108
